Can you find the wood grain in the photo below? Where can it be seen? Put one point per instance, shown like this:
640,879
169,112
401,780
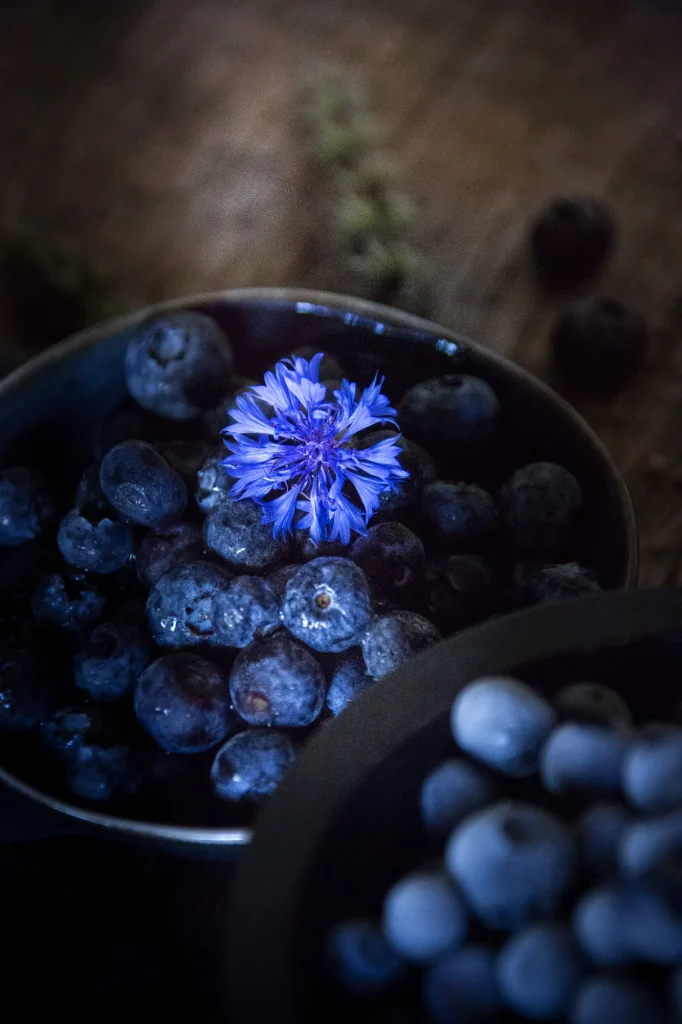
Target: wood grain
165,139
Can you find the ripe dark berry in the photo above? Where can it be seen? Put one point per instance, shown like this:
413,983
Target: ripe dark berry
457,591
234,531
180,608
571,239
280,577
598,344
598,926
68,601
141,485
652,928
503,723
307,550
213,482
561,583
539,970
94,539
393,638
89,493
451,792
25,691
100,773
539,504
462,987
451,410
463,515
115,655
599,832
25,505
277,682
603,998
248,610
349,680
512,861
580,757
178,364
183,702
327,604
252,764
185,457
652,773
651,845
424,916
361,960
416,461
69,728
392,558
593,702
161,550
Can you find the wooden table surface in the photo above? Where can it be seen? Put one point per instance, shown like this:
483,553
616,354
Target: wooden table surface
164,138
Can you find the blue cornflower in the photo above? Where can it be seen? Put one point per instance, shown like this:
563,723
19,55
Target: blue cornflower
302,457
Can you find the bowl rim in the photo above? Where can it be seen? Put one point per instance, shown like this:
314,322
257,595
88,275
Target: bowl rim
382,319
265,892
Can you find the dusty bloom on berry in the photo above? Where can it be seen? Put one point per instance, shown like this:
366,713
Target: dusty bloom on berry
293,450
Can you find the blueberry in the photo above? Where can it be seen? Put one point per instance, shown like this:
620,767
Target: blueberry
25,505
178,364
350,679
598,926
248,610
89,493
277,682
649,846
25,692
100,773
463,515
328,604
183,702
280,577
185,456
571,239
71,727
307,549
392,558
234,531
598,344
141,485
539,504
252,764
112,661
159,551
213,482
180,608
361,960
461,987
93,539
580,757
539,970
453,410
392,639
503,723
424,916
652,929
512,861
457,591
450,793
599,832
69,601
603,998
215,419
413,458
652,773
561,583
593,702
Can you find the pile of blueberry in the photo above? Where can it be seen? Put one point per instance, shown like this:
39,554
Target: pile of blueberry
167,620
557,893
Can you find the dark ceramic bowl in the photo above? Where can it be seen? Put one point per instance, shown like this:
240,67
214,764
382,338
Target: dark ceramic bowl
344,825
51,409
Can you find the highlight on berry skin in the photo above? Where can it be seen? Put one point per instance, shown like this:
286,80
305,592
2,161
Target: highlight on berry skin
294,450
